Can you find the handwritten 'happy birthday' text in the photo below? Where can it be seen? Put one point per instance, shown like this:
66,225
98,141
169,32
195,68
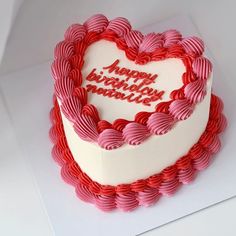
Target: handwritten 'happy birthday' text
133,88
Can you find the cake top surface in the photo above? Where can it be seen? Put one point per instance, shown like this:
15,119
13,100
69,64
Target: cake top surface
118,86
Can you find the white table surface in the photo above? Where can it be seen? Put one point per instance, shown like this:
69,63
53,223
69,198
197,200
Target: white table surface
21,209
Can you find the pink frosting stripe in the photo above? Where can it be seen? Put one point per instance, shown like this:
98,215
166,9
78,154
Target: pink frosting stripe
181,109
86,128
202,162
193,45
64,87
96,23
110,139
171,37
195,91
84,194
54,133
186,176
127,202
148,197
160,123
120,26
60,68
133,38
71,108
202,67
67,176
215,146
75,32
168,188
63,50
135,133
151,42
105,203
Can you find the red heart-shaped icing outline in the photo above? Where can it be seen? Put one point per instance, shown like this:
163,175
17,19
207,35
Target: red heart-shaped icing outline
68,63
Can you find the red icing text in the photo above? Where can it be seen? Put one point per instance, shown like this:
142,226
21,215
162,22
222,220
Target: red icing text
133,88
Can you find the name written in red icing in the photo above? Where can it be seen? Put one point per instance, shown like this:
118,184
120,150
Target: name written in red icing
133,87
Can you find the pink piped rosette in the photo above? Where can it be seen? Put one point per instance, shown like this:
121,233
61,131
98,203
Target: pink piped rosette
66,71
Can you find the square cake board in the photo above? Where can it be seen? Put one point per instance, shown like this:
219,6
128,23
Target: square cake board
28,94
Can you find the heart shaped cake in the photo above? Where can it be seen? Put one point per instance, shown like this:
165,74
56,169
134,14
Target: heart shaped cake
133,116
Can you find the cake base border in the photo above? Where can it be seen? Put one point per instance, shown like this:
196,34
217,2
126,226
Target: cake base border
143,192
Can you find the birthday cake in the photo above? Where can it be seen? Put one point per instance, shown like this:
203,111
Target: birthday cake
134,116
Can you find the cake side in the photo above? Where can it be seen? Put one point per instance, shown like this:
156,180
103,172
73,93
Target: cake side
143,192
127,164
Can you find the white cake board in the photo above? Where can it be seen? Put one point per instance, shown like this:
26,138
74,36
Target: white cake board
28,95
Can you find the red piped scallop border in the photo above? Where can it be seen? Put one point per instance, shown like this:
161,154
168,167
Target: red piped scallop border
141,49
144,192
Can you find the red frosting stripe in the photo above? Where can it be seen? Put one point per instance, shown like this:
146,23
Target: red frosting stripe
77,62
143,192
82,94
103,125
91,110
188,77
76,76
120,124
142,117
177,94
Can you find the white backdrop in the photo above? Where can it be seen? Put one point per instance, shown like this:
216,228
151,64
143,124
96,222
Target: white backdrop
40,24
8,12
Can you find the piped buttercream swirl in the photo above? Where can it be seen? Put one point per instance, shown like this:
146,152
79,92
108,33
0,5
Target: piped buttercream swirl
135,133
86,128
181,109
110,139
160,123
